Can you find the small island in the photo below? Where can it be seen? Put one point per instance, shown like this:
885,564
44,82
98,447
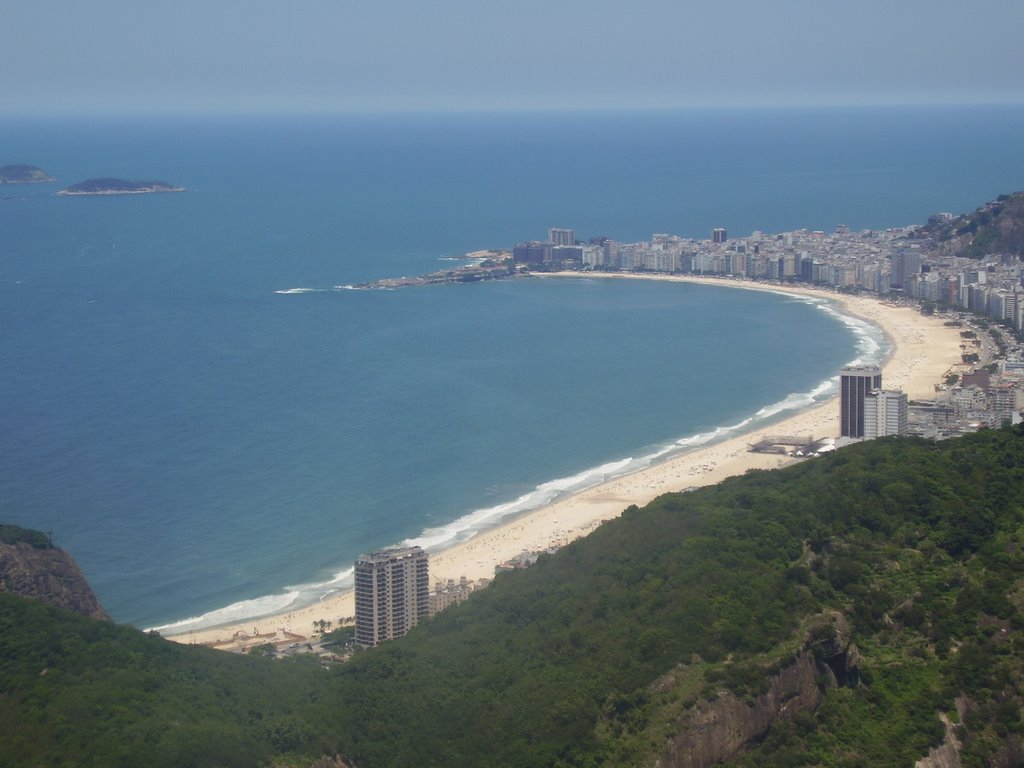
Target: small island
23,174
110,186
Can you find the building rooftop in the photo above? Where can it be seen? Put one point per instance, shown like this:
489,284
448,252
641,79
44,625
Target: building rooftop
385,555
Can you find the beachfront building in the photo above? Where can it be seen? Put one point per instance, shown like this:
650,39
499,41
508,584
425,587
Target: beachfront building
447,594
532,252
885,413
564,237
392,593
854,384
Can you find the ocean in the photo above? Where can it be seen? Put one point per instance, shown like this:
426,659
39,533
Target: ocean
210,449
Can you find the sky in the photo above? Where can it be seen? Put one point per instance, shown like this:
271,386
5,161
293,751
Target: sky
323,56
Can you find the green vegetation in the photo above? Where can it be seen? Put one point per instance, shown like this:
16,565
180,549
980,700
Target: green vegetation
591,656
13,534
994,228
77,692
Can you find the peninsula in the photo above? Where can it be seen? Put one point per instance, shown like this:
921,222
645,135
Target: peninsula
23,174
111,186
493,264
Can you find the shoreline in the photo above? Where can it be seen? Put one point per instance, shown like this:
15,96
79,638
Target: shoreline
102,192
922,351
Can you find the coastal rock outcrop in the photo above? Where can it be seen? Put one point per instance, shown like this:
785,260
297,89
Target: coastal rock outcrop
712,731
31,567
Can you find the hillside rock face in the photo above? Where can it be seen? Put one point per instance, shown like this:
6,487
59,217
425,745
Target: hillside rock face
711,732
47,574
947,754
995,228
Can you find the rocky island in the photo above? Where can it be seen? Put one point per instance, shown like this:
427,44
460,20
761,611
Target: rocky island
110,186
23,174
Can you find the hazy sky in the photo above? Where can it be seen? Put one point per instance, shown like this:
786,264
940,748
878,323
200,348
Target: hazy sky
329,55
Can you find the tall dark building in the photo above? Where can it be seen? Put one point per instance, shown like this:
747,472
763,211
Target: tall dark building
392,593
719,235
854,384
806,270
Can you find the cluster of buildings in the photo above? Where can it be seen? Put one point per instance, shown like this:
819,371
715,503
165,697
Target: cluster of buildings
392,592
865,409
451,592
893,261
897,263
975,398
981,398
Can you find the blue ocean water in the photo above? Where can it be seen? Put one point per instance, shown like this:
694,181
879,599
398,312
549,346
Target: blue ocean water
201,443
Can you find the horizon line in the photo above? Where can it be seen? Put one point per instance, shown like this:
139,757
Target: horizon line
335,112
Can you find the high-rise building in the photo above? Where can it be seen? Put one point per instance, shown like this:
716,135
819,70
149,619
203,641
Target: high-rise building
854,384
905,264
885,413
562,236
392,593
719,235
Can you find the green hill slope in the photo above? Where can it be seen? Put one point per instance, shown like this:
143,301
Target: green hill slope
605,653
994,228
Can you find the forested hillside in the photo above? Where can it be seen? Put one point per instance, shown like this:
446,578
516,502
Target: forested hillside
891,570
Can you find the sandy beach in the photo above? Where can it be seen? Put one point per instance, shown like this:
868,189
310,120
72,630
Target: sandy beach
924,351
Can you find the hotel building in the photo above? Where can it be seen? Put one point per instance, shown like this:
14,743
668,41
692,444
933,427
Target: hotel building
558,236
854,384
885,413
392,594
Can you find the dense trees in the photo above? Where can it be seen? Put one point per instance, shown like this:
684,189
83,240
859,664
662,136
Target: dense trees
589,656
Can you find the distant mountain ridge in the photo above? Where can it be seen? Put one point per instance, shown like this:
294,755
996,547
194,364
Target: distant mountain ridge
996,228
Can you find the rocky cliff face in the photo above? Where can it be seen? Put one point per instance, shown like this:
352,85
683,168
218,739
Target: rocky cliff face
48,574
947,754
711,732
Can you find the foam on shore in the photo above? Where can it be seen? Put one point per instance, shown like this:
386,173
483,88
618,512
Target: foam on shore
240,611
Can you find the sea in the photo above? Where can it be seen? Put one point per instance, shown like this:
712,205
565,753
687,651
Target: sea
197,408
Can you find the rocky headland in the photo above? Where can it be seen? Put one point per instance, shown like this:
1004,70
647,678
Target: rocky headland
30,566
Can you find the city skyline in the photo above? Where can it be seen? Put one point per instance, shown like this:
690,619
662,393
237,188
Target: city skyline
224,57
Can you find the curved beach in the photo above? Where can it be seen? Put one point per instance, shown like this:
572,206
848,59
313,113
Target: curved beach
923,351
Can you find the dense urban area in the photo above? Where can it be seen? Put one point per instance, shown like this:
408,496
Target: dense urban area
966,268
983,296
